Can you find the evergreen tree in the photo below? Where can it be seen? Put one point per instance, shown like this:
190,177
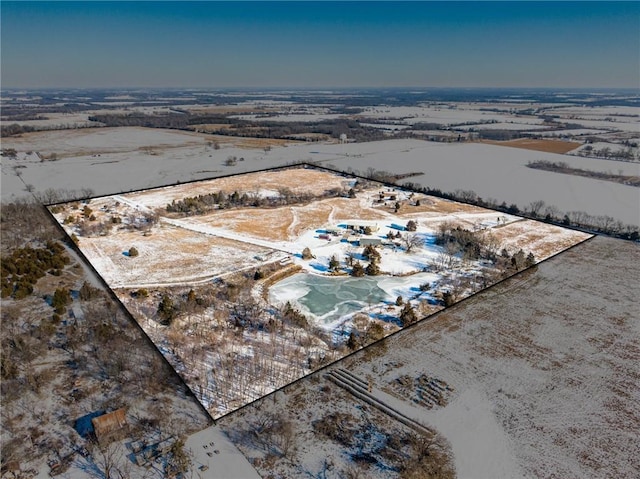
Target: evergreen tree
373,269
357,270
166,310
408,315
334,264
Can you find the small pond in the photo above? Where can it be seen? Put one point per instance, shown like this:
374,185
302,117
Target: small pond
328,298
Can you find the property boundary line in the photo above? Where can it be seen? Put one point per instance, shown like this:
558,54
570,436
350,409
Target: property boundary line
322,369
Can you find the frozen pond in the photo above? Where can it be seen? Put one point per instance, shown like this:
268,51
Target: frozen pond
329,298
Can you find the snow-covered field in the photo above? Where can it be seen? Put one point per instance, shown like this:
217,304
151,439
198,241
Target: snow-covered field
491,171
195,250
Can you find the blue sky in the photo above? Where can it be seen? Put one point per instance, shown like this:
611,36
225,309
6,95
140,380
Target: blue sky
320,44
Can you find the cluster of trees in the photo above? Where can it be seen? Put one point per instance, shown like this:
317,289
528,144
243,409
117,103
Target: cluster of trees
15,129
242,127
195,205
625,154
540,210
21,270
562,167
167,120
201,204
100,347
408,315
473,245
518,260
61,298
369,253
411,454
25,219
361,336
88,225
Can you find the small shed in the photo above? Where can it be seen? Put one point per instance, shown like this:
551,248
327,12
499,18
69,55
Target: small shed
370,241
110,426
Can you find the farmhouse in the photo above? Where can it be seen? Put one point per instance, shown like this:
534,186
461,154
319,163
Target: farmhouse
360,228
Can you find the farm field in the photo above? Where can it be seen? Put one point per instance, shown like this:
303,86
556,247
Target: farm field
533,377
197,276
537,382
550,146
157,157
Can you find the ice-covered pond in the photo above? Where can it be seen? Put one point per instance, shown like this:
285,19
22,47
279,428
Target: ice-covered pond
327,299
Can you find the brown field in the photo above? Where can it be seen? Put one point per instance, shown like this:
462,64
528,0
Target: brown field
541,238
270,224
298,180
246,142
199,256
549,146
438,206
288,222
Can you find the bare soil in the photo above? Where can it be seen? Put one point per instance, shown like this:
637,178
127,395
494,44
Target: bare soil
550,146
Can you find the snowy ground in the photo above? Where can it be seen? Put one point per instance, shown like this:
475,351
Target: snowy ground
193,251
491,171
542,369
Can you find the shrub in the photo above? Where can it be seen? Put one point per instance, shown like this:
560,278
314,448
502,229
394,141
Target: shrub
408,315
357,270
142,293
133,252
448,298
373,269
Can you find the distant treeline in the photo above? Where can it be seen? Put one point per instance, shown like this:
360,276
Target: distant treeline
242,127
201,204
15,129
537,210
562,167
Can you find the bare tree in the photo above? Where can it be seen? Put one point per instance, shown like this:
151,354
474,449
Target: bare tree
535,207
411,241
111,461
